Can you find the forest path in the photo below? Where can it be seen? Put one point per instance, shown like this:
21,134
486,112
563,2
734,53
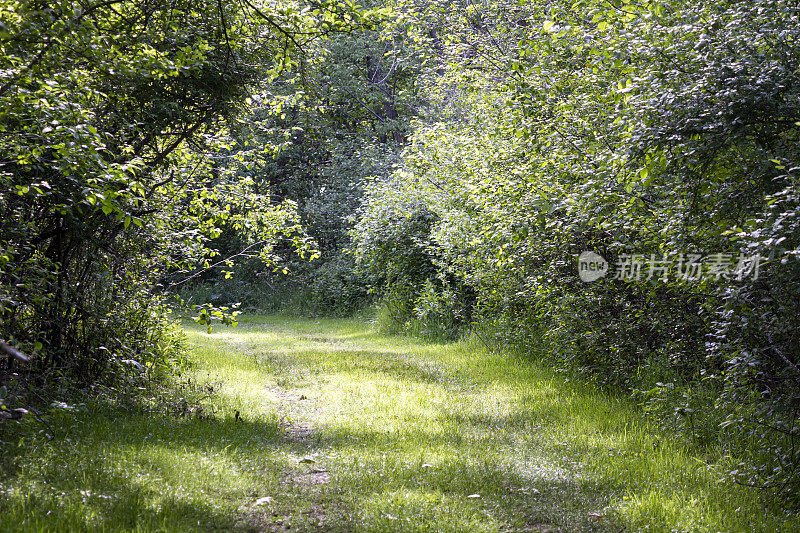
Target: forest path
323,425
384,433
373,433
392,433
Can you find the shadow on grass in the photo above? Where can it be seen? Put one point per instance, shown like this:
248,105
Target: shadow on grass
110,469
451,483
314,360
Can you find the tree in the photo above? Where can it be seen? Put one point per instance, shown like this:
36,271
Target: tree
115,169
323,135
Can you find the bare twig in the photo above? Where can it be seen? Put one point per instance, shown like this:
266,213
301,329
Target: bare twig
238,254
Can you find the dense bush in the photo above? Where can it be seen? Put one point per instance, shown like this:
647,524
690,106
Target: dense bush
118,165
619,128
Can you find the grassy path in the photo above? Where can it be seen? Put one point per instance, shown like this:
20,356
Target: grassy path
412,436
325,426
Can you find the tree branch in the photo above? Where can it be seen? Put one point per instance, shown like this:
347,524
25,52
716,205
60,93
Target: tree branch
9,351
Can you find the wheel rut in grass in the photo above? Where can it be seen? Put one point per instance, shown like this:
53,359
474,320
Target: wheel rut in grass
291,407
300,483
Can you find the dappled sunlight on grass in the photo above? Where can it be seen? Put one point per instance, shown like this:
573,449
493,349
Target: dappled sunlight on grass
416,510
122,470
324,425
540,452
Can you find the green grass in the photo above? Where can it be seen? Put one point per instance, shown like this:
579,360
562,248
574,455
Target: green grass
403,435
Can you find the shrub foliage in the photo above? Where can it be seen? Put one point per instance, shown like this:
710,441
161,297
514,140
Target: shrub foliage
668,130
